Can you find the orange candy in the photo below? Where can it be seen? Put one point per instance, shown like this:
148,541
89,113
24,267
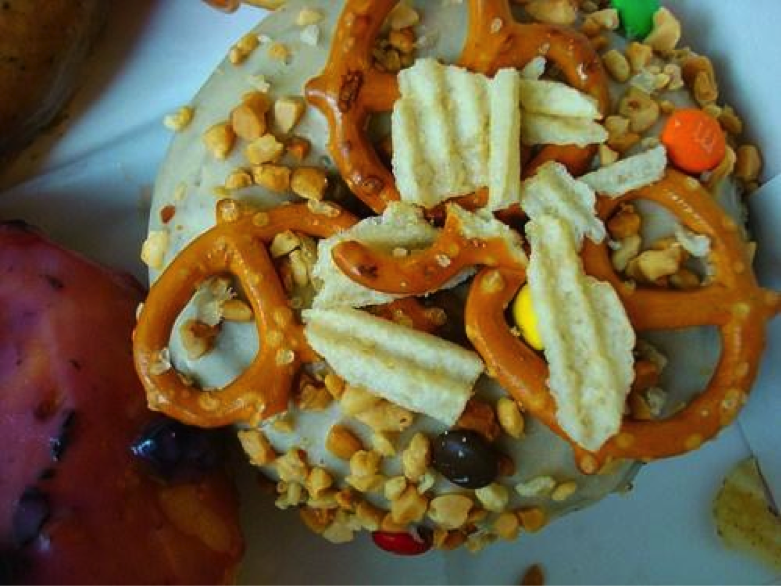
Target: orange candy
694,140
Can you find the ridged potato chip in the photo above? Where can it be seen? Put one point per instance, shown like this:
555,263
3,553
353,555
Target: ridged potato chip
628,174
412,369
588,339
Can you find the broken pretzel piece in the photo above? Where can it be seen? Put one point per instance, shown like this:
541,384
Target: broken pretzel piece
468,239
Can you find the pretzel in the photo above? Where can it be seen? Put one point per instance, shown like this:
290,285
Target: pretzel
423,271
733,302
235,245
350,90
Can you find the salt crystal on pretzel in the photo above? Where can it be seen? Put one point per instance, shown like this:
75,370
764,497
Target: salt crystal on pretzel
557,99
628,174
546,129
418,371
553,191
402,226
446,142
587,336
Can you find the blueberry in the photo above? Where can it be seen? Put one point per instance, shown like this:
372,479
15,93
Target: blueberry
465,458
176,451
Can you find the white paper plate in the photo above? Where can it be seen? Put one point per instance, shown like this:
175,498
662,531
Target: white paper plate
89,190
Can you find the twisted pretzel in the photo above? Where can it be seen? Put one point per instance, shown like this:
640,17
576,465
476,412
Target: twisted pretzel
235,245
350,90
421,271
733,302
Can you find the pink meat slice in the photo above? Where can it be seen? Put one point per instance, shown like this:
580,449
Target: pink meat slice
70,406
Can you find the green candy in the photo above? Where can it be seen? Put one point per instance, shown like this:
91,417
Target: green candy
636,16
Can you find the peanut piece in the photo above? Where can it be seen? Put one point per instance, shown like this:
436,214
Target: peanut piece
248,119
450,511
273,177
415,459
617,65
666,31
198,338
628,249
297,147
510,418
236,310
748,162
626,222
287,113
552,11
638,55
309,182
640,109
265,149
219,139
180,119
409,507
257,447
342,443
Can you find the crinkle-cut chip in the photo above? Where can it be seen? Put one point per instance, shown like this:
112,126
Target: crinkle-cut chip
545,129
446,143
482,225
554,98
743,515
588,340
402,226
415,370
628,174
504,145
553,191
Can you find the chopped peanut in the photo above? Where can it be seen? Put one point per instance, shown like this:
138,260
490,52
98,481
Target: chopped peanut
284,243
369,516
297,147
334,385
311,397
684,279
238,179
506,525
265,149
564,491
316,519
640,109
450,511
607,155
730,121
236,310
309,182
273,177
510,417
402,16
409,507
606,19
402,40
666,31
561,12
629,248
394,487
698,74
638,55
180,119
257,447
617,65
243,49
278,51
723,170
748,162
386,416
383,443
494,497
650,265
308,16
415,459
248,119
198,338
219,139
292,466
532,519
342,443
354,400
287,112
364,467
154,248
626,222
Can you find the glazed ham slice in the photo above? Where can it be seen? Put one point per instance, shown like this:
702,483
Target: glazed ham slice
76,506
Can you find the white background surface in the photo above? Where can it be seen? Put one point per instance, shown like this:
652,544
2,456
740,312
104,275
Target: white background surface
89,187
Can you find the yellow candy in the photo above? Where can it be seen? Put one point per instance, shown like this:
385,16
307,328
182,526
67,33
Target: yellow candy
524,316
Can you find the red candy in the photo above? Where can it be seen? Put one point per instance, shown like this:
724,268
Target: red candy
402,543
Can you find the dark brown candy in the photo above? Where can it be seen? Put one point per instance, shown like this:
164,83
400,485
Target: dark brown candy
465,458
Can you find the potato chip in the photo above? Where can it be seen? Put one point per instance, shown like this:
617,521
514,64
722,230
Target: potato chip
553,191
743,515
546,129
628,174
587,336
415,370
557,99
446,143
